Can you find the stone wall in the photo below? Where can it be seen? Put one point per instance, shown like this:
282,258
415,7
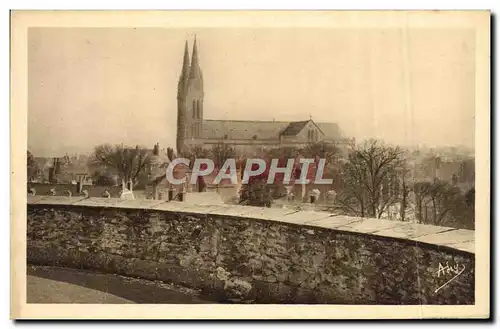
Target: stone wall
274,257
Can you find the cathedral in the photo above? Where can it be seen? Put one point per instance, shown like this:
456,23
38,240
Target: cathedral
245,136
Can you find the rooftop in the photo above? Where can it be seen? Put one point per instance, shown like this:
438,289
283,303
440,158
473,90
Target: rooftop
262,130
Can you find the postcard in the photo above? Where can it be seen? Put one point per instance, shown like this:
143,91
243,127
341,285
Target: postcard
250,164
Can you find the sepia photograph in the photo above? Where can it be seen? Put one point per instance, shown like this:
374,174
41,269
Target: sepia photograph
291,164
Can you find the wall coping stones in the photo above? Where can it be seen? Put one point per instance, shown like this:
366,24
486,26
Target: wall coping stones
333,221
370,225
448,237
97,202
32,199
411,230
139,203
303,217
185,207
262,213
468,246
63,200
458,239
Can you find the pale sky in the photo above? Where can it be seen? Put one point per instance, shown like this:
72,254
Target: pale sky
89,86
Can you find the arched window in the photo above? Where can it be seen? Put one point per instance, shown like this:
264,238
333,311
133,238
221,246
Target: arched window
198,110
310,135
194,109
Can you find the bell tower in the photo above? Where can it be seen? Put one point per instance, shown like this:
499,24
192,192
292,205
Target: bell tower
190,101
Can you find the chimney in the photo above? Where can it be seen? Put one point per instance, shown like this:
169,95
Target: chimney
78,187
182,194
57,165
51,174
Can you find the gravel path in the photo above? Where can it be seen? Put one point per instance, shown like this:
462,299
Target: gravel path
42,290
62,285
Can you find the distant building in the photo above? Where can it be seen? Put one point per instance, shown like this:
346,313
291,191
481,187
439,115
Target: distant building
157,186
194,130
63,170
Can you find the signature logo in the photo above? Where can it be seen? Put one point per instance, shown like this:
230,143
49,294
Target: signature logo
446,269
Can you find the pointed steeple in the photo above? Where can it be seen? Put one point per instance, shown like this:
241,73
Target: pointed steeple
195,71
184,77
185,63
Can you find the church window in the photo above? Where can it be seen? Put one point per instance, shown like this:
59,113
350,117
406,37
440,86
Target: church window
198,110
254,137
194,109
225,136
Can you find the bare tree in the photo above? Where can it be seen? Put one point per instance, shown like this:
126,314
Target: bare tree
443,199
103,178
326,151
128,162
196,151
421,191
405,192
221,152
440,203
368,171
282,152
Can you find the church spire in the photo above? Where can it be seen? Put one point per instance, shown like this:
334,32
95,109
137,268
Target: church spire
195,64
185,63
184,77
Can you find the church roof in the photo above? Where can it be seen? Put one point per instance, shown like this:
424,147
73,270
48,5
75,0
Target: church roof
331,130
262,130
235,129
294,128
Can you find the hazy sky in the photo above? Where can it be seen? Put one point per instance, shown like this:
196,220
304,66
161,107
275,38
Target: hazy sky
88,86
